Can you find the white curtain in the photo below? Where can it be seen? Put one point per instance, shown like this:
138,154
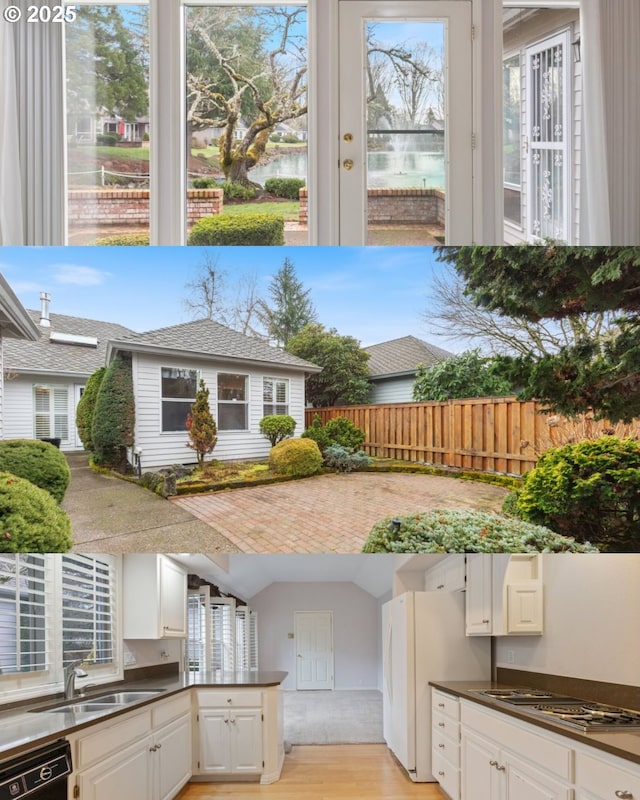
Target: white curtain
11,220
610,181
39,89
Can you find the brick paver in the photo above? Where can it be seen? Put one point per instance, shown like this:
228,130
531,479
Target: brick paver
329,513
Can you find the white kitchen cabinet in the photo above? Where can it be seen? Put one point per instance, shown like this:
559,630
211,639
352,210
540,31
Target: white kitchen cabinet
447,575
606,778
171,758
155,597
230,741
445,742
504,595
480,779
125,774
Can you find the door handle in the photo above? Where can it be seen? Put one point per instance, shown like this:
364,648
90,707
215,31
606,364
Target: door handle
348,163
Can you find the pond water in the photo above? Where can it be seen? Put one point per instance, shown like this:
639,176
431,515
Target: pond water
387,169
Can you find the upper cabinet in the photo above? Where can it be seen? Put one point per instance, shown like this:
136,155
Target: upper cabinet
447,575
504,595
155,597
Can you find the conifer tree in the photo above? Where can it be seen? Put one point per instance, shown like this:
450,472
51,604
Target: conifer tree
203,431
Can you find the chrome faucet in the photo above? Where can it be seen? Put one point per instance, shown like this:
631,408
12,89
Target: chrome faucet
71,672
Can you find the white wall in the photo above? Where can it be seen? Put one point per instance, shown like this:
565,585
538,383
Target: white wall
591,621
147,652
356,618
18,405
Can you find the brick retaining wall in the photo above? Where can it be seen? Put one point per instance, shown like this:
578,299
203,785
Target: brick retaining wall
388,206
121,207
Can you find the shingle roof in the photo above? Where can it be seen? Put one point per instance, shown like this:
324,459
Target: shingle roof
402,355
205,337
46,356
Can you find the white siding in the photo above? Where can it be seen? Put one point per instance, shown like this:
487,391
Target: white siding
18,407
392,390
162,449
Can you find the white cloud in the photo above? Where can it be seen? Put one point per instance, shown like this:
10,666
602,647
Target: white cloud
77,275
25,286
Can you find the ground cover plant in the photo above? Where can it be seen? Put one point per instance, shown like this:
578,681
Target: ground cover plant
453,531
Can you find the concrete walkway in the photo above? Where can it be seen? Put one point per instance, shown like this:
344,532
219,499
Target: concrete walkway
114,516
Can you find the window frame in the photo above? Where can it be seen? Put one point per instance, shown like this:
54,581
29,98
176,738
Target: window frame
507,185
274,404
51,388
233,402
176,400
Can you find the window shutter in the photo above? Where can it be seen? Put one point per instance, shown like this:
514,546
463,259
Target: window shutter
253,640
197,630
42,412
242,639
88,614
24,634
61,413
222,616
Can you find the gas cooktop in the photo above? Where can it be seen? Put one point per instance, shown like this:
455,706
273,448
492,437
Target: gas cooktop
571,711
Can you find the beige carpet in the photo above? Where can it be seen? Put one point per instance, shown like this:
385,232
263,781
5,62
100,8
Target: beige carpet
338,717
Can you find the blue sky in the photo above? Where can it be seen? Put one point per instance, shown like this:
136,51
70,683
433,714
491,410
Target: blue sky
373,294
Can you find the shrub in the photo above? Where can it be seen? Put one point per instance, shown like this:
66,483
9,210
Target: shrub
343,459
237,191
276,427
290,138
86,408
447,531
590,490
107,139
125,239
317,432
203,431
30,519
284,187
338,430
510,505
39,462
249,229
145,137
204,183
114,415
295,458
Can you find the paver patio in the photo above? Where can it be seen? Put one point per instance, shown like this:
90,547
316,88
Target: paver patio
329,513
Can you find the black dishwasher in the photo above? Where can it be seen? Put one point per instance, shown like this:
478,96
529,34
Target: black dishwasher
39,774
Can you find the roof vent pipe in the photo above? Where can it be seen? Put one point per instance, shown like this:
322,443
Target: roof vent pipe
45,299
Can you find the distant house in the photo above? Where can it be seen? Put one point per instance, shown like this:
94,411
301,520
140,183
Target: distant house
247,379
393,367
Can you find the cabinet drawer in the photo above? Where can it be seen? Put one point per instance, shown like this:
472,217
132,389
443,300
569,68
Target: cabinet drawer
231,699
447,776
110,737
445,704
448,748
604,780
446,726
164,711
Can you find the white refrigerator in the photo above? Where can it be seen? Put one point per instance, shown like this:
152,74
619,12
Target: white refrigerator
424,640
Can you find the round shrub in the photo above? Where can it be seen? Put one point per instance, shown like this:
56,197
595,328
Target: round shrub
237,191
30,519
277,427
114,415
204,183
284,187
245,229
295,458
343,459
125,240
39,462
590,490
317,432
342,431
445,531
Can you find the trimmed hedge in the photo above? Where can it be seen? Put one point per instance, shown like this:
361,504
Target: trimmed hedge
86,408
114,415
447,531
246,229
30,519
295,458
277,427
39,462
338,431
284,187
125,240
204,183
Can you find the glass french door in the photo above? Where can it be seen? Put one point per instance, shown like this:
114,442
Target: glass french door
548,91
405,122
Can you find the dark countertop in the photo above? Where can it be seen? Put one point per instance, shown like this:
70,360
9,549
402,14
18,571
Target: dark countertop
618,743
23,728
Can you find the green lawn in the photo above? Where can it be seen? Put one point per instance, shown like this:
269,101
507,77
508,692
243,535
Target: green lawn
288,209
134,153
212,151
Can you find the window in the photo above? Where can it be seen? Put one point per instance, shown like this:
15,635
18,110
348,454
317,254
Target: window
179,387
275,396
232,402
512,139
51,419
56,609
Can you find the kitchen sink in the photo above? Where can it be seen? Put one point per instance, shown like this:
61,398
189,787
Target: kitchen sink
124,698
103,702
78,708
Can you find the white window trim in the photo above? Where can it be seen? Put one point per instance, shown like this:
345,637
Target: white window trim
70,417
27,685
287,403
246,402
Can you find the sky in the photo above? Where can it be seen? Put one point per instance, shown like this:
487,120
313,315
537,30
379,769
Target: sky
374,294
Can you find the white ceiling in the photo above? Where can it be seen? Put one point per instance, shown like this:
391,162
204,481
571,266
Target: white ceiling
246,575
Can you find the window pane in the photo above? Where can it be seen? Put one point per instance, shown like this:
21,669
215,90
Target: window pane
512,139
232,387
179,383
232,417
22,614
174,416
107,70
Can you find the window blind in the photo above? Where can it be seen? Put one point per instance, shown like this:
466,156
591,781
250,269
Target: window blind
197,630
88,613
23,616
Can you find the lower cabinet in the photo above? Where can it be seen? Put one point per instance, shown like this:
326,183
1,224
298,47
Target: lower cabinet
126,774
171,758
606,778
230,741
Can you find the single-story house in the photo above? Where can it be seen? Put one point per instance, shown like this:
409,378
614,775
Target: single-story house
247,379
393,367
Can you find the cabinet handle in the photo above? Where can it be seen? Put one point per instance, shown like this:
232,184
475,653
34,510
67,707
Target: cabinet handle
441,773
229,700
441,746
501,768
226,722
486,621
440,705
153,749
233,721
441,724
624,794
493,763
441,586
158,746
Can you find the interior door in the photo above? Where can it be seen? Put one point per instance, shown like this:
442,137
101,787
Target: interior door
406,121
314,649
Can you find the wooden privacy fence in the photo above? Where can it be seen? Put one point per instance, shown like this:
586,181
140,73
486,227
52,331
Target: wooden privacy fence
490,434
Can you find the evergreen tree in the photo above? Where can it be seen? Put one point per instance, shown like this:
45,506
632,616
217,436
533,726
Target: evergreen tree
291,307
465,375
114,415
203,431
86,408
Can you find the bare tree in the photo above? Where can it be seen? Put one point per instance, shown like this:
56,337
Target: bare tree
245,310
454,315
206,299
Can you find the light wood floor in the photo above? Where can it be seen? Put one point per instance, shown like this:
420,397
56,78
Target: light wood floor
327,772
